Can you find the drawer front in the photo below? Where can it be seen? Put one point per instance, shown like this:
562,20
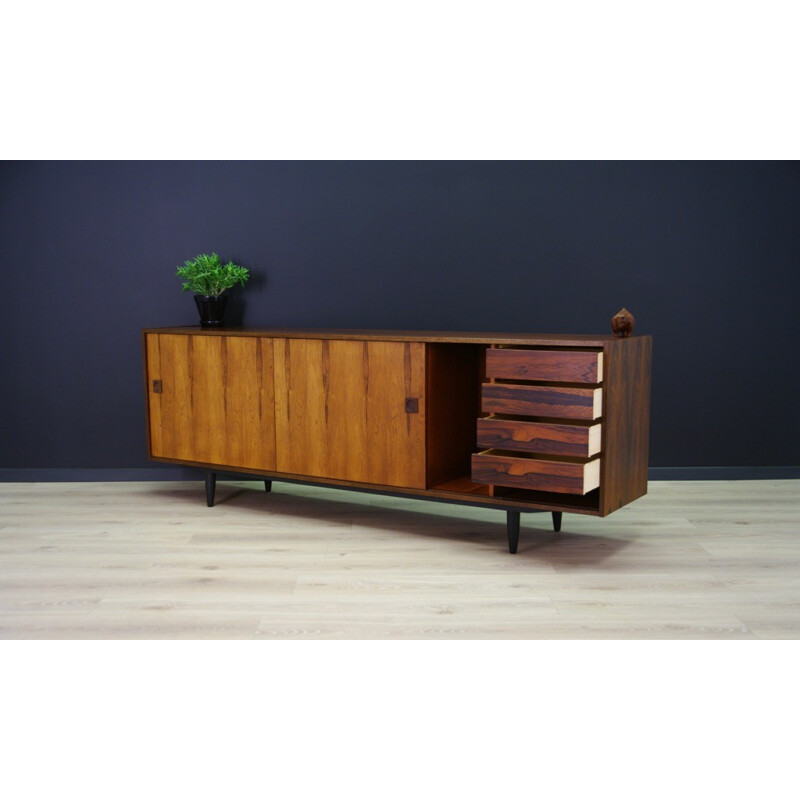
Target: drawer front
542,401
539,437
563,366
500,469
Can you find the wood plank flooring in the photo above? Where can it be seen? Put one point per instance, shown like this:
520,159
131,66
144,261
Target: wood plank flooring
691,560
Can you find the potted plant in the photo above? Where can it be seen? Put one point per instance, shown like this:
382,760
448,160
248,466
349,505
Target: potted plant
208,278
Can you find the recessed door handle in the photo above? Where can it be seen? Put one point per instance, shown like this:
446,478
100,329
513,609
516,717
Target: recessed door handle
412,405
157,387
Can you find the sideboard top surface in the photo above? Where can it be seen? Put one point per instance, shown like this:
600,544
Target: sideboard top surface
458,337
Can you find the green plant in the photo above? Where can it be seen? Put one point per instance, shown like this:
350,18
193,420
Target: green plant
207,275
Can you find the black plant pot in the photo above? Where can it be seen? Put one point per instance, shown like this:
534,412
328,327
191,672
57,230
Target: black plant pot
212,310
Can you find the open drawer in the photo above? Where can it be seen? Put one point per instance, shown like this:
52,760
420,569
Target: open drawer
502,468
509,433
542,401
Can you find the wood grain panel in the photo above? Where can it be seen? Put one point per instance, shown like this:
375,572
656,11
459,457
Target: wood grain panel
539,437
299,406
153,400
626,433
176,400
563,366
396,439
542,401
208,373
248,402
530,473
340,410
216,404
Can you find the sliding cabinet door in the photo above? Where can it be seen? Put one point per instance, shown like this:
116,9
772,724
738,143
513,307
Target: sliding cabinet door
351,410
210,399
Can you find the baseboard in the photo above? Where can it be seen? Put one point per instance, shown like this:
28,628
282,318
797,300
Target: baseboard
69,474
723,473
171,473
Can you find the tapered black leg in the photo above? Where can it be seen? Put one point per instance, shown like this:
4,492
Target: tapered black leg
557,521
267,486
512,527
211,485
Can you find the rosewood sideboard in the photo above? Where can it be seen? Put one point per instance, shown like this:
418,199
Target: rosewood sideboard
513,421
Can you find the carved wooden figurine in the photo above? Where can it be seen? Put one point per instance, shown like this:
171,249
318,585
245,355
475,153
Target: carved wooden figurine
622,323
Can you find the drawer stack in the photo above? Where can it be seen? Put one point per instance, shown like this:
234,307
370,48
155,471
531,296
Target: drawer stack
543,431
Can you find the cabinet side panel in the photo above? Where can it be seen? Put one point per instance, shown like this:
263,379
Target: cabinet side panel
626,428
153,399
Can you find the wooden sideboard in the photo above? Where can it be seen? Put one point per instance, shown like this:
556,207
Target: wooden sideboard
517,422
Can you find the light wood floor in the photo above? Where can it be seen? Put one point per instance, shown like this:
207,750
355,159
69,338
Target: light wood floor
693,560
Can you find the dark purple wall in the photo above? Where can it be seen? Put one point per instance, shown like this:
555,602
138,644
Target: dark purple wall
706,255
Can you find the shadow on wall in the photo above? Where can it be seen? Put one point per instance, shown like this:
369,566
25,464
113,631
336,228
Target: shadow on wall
237,299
